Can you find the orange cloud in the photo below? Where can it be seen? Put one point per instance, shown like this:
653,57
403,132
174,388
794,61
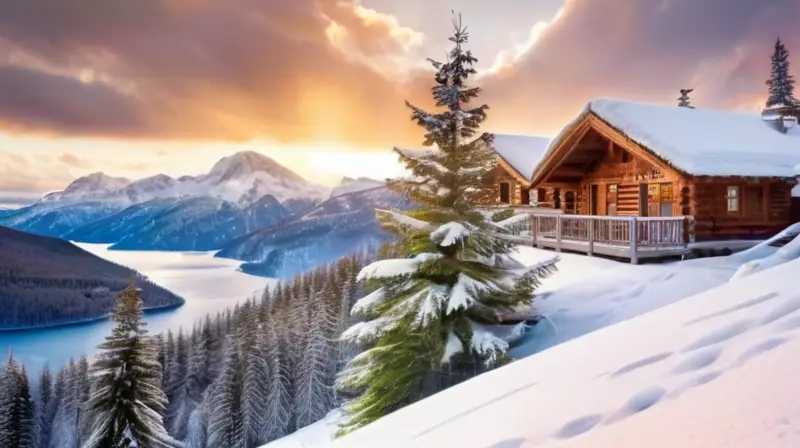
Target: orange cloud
642,50
71,160
338,72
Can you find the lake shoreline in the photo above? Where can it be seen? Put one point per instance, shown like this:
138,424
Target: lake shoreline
90,320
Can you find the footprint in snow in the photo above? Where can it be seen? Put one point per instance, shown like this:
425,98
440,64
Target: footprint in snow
699,380
790,324
744,305
639,402
580,425
508,443
759,349
698,360
668,276
720,335
644,362
779,312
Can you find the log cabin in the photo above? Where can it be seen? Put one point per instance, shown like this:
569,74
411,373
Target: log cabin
731,173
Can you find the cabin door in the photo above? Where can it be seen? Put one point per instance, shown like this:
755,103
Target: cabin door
593,199
525,196
505,193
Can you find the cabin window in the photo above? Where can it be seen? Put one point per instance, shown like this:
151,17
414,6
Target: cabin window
754,200
626,156
505,193
557,198
667,197
733,199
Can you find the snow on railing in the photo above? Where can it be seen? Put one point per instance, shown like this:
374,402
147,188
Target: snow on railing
631,233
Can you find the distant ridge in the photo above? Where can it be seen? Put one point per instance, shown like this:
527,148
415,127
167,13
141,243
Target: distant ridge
47,281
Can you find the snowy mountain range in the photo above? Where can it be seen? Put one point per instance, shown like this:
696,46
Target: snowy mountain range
242,178
243,194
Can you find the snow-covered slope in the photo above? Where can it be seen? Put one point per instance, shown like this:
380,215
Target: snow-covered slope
337,227
241,178
718,369
350,185
586,297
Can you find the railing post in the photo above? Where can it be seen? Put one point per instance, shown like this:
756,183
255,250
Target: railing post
632,240
558,233
590,228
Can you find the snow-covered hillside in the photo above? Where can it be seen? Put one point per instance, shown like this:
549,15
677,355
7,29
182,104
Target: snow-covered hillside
679,355
350,185
241,178
335,228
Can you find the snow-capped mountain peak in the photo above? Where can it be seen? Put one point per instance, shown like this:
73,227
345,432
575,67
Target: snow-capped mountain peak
95,185
246,163
247,176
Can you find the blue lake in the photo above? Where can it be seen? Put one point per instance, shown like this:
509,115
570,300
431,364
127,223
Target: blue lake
208,284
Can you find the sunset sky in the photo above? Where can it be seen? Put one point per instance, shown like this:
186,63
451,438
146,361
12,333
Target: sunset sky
136,88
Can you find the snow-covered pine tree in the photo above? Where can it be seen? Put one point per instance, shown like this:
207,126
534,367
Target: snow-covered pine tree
255,390
46,397
64,432
193,386
781,82
267,304
53,407
313,394
17,411
460,278
225,429
278,413
169,362
83,389
25,408
684,100
196,431
126,404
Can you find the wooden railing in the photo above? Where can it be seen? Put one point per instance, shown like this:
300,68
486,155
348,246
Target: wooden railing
628,232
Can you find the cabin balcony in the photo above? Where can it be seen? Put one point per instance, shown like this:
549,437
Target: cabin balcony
629,237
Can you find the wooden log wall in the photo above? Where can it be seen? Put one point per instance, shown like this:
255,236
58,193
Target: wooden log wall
709,205
499,176
628,199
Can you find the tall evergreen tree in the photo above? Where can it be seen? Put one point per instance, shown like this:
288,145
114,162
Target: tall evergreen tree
460,278
54,407
17,411
65,431
46,397
313,395
255,390
126,404
225,428
278,413
781,82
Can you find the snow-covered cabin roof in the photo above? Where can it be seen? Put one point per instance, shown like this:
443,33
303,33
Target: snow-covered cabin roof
521,152
701,141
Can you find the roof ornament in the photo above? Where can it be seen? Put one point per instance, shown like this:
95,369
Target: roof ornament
683,100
